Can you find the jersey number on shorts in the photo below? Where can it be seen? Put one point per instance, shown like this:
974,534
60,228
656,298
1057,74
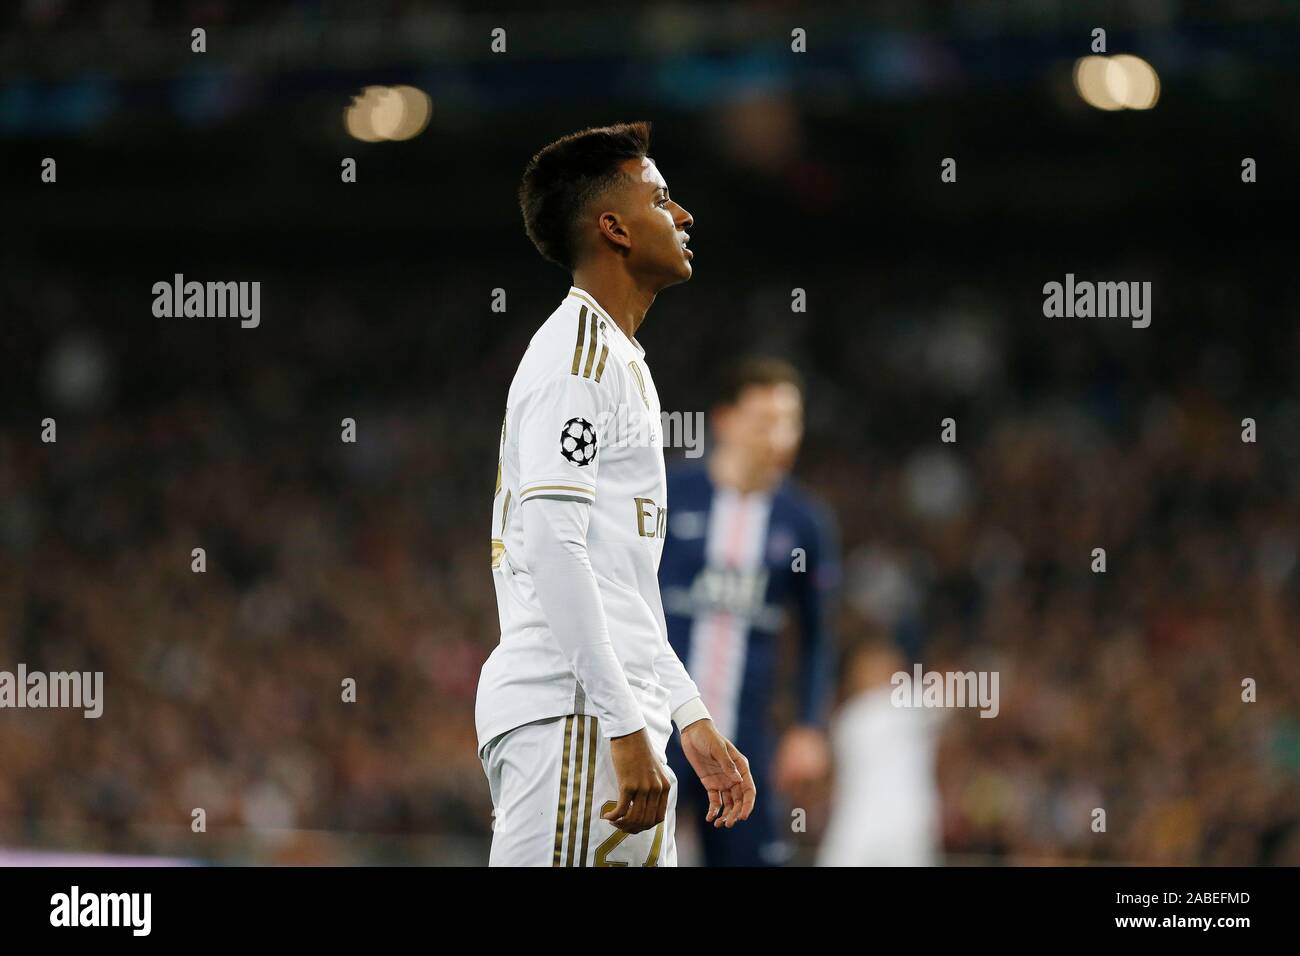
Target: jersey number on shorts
618,836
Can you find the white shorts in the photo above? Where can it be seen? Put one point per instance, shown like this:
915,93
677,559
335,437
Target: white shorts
551,780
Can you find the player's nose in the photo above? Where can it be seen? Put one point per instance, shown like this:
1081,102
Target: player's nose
684,219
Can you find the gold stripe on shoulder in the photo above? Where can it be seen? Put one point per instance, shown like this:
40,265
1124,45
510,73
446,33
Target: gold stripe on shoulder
582,334
582,296
591,353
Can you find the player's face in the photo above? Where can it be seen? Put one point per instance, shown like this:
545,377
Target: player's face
766,426
657,226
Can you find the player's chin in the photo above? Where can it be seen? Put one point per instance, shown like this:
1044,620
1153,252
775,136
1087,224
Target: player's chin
674,272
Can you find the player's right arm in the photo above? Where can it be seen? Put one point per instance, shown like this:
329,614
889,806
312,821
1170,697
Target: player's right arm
557,480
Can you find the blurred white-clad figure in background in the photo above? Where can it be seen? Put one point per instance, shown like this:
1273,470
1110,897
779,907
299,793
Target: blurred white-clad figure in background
885,807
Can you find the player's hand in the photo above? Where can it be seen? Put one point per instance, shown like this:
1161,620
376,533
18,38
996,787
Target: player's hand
723,770
803,759
643,786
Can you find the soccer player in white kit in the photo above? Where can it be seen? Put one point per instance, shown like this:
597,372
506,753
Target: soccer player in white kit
576,704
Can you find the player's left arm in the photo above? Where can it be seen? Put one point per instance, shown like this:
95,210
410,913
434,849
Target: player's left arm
803,754
723,770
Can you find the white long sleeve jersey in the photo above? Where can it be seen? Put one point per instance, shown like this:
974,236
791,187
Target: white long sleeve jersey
582,424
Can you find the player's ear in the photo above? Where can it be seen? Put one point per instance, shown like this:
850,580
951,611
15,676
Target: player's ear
612,228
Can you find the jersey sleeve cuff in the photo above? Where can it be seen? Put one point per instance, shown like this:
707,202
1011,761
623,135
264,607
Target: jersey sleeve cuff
621,728
558,488
690,712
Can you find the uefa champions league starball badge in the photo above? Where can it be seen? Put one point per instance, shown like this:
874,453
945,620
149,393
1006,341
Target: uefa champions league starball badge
578,441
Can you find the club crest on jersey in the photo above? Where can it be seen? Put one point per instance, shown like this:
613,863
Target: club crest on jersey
578,441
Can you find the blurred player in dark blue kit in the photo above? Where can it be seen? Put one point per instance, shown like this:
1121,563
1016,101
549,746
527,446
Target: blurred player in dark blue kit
745,545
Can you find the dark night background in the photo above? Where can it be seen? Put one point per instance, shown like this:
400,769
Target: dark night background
817,171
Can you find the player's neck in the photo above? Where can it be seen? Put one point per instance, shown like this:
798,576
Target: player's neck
618,294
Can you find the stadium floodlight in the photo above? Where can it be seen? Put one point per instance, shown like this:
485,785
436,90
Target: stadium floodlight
1117,82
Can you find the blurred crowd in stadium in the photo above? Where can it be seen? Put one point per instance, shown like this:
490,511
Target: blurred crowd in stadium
1120,691
327,560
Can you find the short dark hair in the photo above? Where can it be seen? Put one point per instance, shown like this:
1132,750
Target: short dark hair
756,370
563,179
